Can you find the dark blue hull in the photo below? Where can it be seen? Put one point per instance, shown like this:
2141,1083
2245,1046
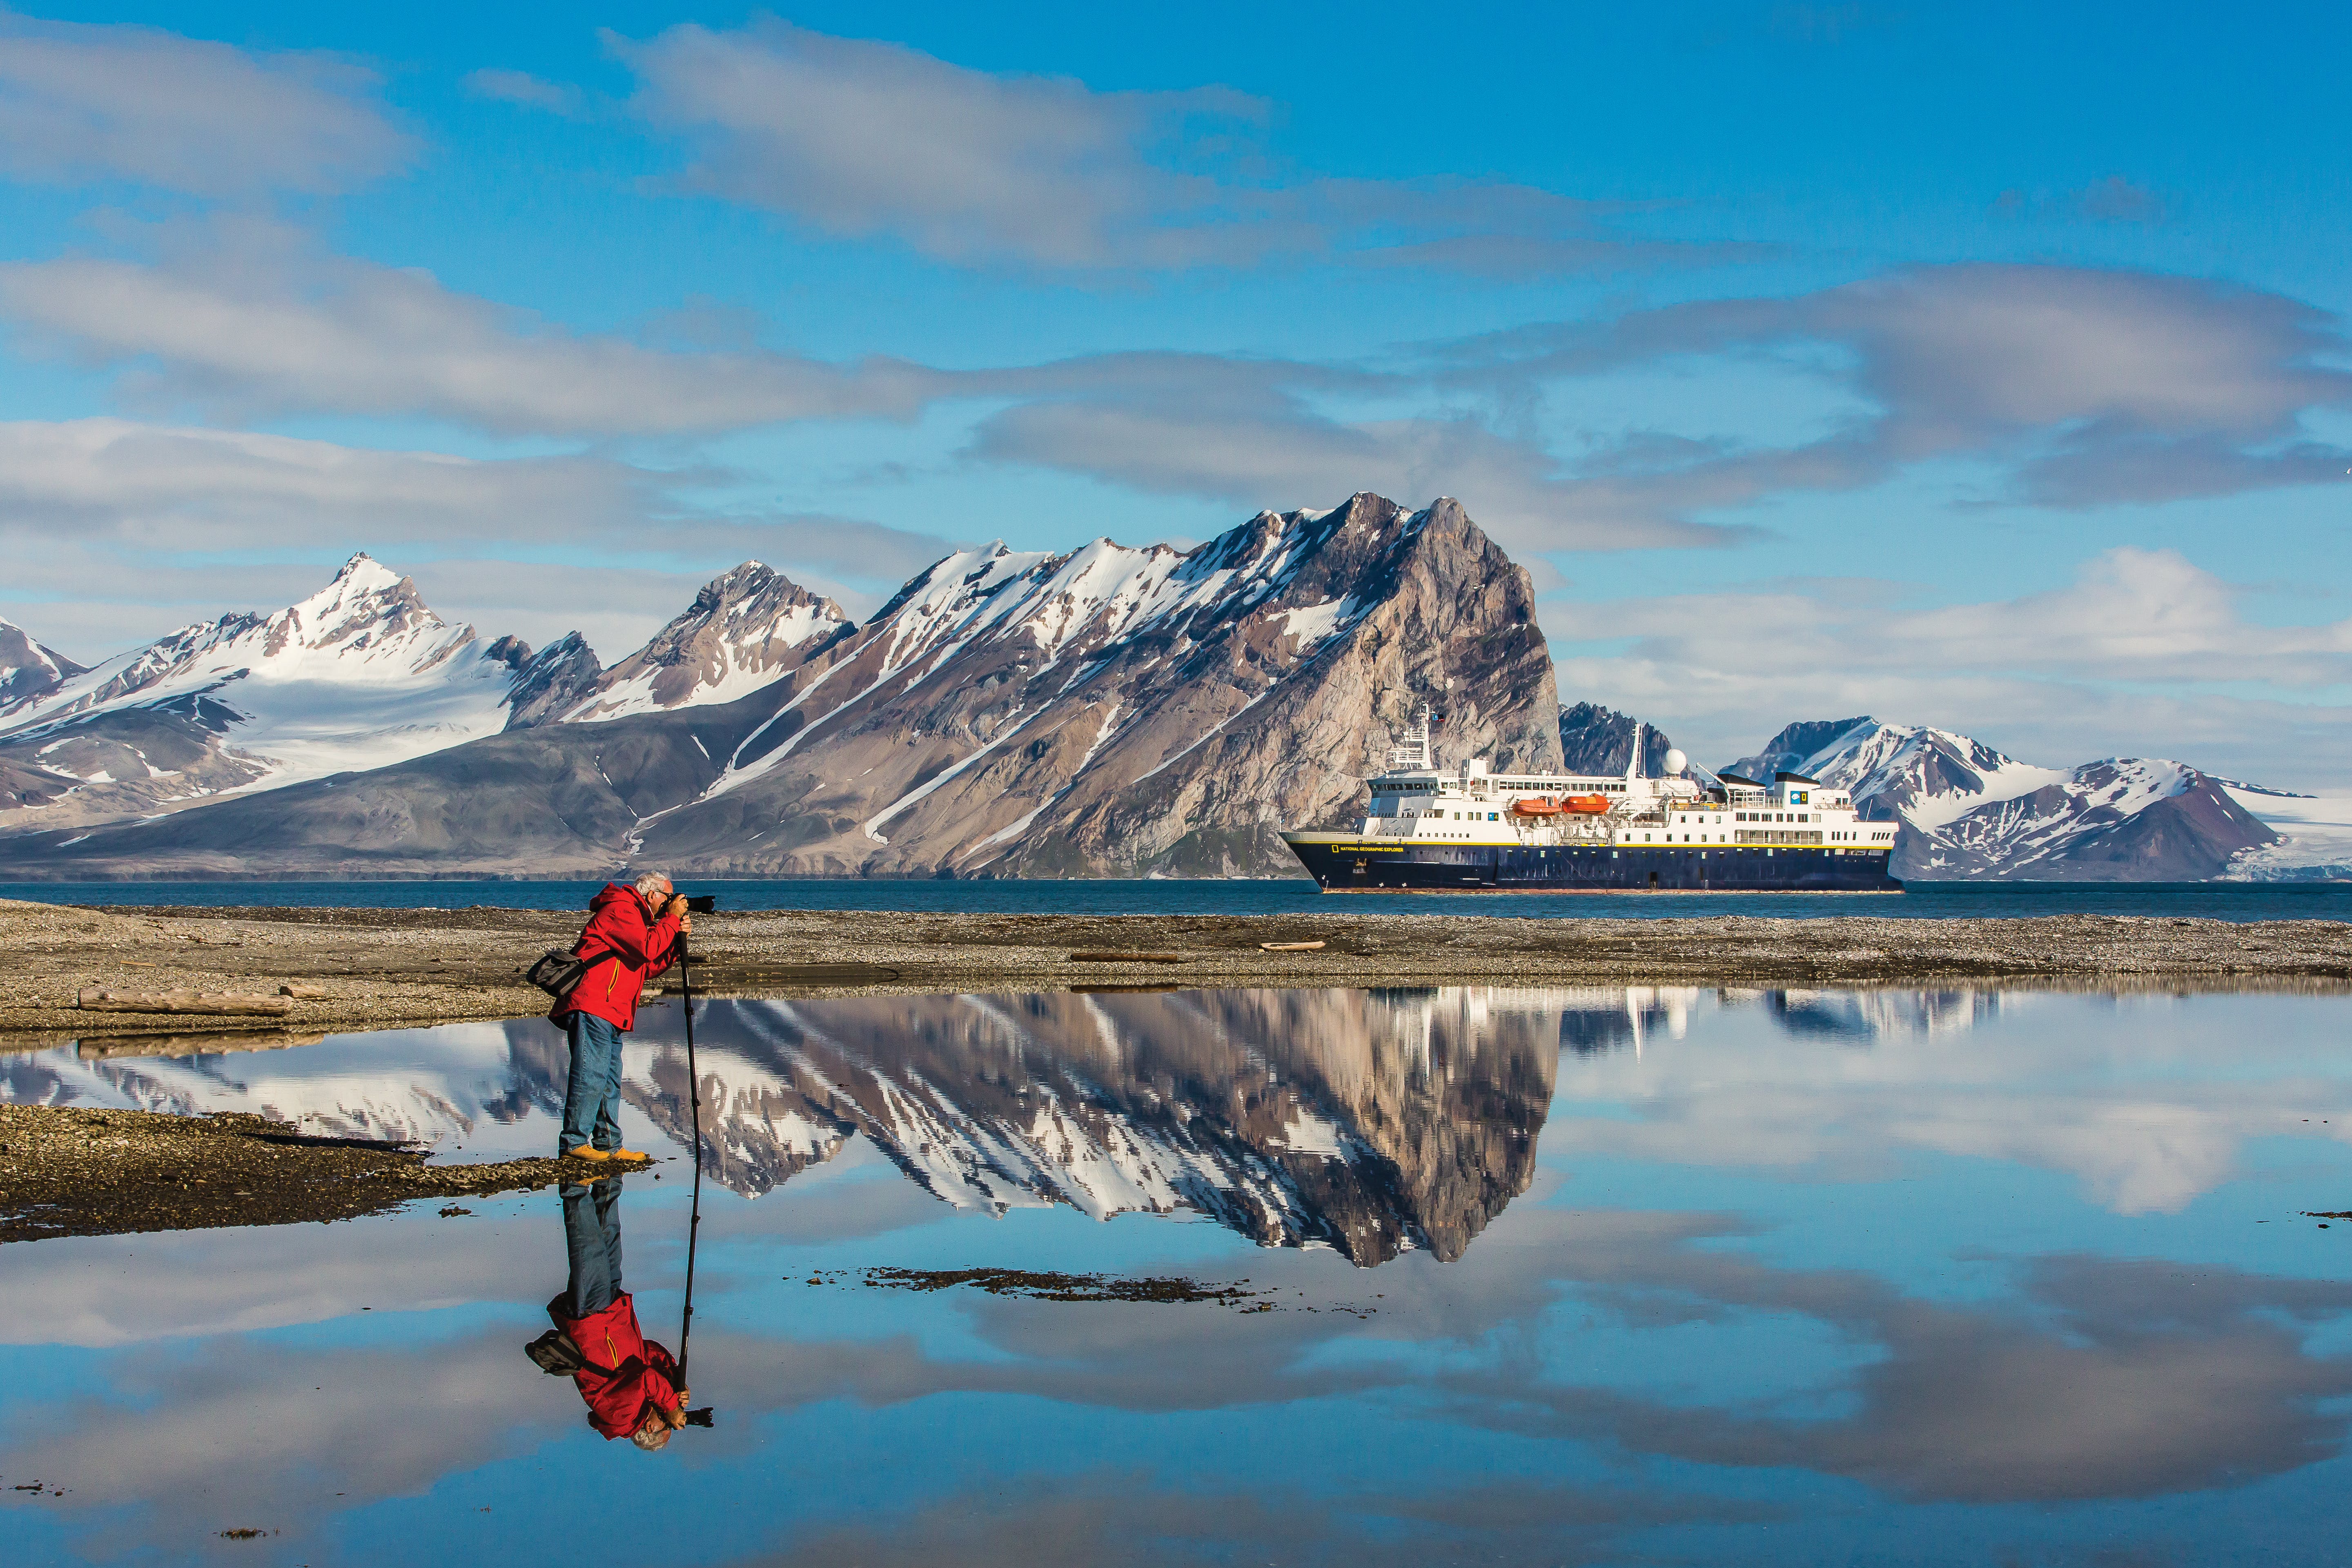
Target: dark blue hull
1350,865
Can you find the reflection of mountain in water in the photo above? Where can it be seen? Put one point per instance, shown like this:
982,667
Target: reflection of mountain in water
1366,1122
436,1087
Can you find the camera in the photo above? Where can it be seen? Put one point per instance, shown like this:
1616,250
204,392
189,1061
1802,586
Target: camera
702,903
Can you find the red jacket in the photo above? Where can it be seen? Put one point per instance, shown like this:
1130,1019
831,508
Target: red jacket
628,1373
639,946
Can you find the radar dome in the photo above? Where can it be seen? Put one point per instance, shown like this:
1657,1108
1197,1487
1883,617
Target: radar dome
1676,761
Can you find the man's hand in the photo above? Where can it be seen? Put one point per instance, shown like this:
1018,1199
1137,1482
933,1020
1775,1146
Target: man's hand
676,905
686,925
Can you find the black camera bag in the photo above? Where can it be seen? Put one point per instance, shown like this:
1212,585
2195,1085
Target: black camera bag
559,973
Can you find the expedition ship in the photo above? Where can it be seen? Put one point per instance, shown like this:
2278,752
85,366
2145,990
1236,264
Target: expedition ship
1476,830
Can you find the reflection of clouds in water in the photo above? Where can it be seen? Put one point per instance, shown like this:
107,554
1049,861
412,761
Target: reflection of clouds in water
123,1289
2122,1095
250,1430
2100,1378
1137,1517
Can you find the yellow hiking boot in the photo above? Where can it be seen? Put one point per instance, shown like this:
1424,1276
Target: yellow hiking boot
594,1156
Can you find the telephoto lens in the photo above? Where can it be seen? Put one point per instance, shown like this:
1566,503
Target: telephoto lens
703,903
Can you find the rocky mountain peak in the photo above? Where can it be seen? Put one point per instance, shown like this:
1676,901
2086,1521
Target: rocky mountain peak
1122,708
746,628
367,607
550,683
1599,740
27,671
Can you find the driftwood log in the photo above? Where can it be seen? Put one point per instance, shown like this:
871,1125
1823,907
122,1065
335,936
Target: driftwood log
180,1000
301,988
1290,947
1128,958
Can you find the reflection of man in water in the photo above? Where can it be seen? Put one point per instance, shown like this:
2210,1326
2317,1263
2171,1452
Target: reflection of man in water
629,1380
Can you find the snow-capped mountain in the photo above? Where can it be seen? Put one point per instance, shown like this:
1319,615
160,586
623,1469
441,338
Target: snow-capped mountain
1024,713
357,675
745,630
1969,810
27,671
1111,710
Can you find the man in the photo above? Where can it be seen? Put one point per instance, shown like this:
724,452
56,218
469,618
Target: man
630,1382
632,933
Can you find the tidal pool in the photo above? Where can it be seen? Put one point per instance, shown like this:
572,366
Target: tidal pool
1533,1276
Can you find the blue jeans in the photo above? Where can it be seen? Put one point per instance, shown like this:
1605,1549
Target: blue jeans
591,1239
591,1100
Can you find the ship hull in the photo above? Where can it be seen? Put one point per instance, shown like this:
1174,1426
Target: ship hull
1342,863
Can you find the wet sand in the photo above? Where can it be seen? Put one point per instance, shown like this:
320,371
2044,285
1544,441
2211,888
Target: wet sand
383,968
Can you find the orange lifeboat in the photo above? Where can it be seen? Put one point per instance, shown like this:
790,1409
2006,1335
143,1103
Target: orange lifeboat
1587,802
1535,806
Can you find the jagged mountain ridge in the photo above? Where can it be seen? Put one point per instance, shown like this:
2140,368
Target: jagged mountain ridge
1120,709
1971,811
746,628
1108,711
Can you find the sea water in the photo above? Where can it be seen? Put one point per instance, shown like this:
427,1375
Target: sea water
1539,1275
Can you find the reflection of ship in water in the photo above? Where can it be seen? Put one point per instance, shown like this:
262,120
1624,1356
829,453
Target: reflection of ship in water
1369,1122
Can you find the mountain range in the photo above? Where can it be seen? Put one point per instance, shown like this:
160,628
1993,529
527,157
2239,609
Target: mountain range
1108,711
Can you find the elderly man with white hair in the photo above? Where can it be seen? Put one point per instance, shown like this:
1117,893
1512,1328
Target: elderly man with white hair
632,933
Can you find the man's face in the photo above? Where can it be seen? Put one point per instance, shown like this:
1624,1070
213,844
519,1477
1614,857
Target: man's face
658,896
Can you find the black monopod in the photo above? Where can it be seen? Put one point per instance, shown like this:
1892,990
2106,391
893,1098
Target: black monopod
701,906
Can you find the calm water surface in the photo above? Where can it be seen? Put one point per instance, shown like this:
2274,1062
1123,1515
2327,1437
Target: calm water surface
1557,1276
1922,900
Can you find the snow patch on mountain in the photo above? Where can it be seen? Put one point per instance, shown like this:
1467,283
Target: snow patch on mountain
359,674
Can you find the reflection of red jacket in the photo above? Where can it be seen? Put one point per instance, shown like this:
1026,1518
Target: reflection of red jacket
628,1373
639,945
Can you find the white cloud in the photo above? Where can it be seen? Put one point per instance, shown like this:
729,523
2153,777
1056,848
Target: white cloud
256,327
1288,455
860,139
2056,677
116,532
81,102
522,88
2084,387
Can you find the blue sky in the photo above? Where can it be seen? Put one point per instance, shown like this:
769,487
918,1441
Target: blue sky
1975,367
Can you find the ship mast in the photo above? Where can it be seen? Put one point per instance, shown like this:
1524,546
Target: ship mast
1412,753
